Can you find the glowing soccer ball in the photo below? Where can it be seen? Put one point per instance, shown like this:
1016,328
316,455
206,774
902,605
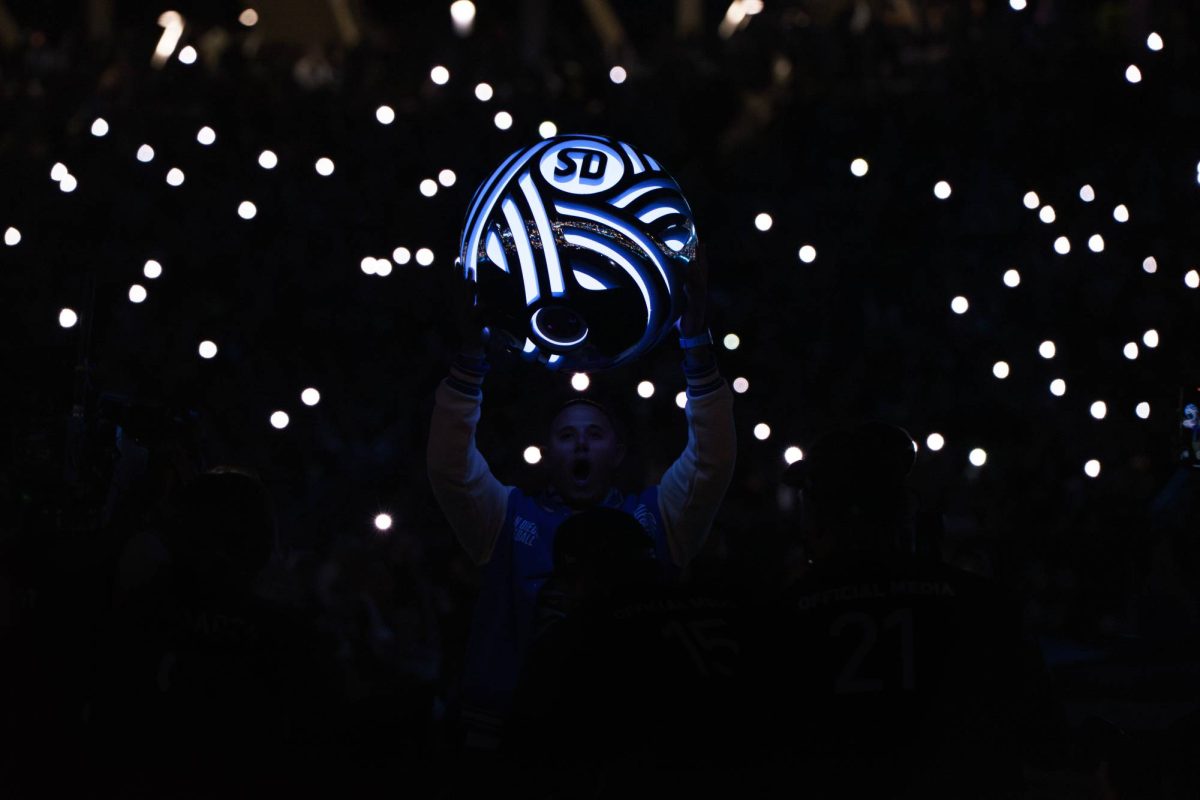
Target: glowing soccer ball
578,245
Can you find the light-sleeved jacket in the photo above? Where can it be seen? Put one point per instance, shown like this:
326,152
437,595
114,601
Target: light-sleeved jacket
510,533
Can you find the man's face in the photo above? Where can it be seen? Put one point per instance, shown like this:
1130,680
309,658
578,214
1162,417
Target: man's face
582,454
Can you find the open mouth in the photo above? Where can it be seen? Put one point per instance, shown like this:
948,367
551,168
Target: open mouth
581,470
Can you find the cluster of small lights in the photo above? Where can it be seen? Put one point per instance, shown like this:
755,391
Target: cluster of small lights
324,166
580,382
439,75
145,154
808,254
247,210
1092,468
532,455
935,441
279,420
763,222
1012,278
1133,74
1062,245
310,396
12,237
383,522
174,177
959,305
762,431
547,129
447,178
206,136
617,75
376,266
385,115
1096,243
741,385
1058,387
941,190
645,390
1099,409
152,269
1000,369
1046,214
793,454
859,167
66,181
67,318
267,159
731,341
1047,349
1121,213
1086,193
207,349
100,127
1150,265
978,457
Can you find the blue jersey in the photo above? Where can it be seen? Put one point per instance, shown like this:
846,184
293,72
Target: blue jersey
503,623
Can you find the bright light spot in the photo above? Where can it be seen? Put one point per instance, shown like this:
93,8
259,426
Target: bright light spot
137,293
1099,409
310,397
617,75
941,190
793,454
1062,245
1150,338
385,115
484,92
67,318
383,267
188,55
383,522
207,349
1058,387
1086,193
367,265
145,154
1012,279
1047,349
731,341
1032,200
503,120
959,305
1133,74
58,172
532,455
1017,5
401,256
324,166
1121,213
645,389
741,385
580,381
439,75
172,24
859,168
447,177
762,431
1150,265
175,177
247,210
1000,369
99,127
424,256
1130,350
206,136
12,237
1047,214
249,18
935,441
1142,410
1191,279
1091,468
1154,42
547,129
152,269
68,184
681,399
1096,243
978,456
267,159
279,420
763,222
808,254
462,14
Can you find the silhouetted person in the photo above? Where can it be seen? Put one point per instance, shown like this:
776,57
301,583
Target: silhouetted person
887,673
510,532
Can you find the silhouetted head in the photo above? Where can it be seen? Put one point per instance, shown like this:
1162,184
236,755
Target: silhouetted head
224,526
583,452
853,485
